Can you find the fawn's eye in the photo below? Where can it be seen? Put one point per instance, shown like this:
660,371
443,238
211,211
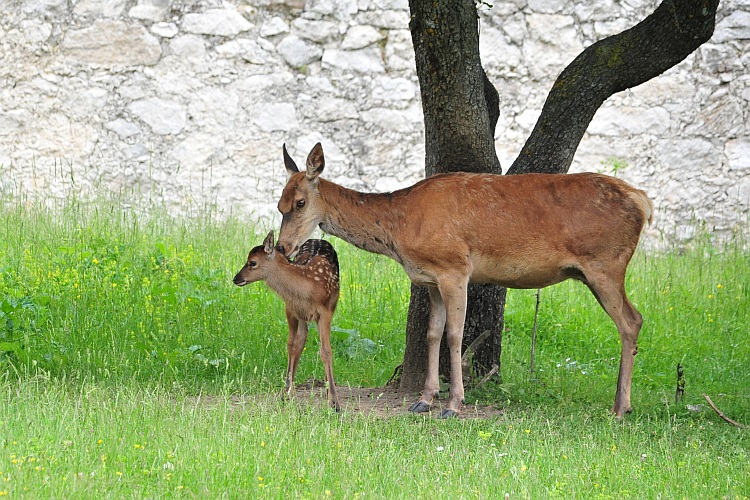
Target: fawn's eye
300,204
252,264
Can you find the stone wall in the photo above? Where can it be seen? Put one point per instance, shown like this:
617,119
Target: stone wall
187,103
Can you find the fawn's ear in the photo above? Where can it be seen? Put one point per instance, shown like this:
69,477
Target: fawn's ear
268,243
291,167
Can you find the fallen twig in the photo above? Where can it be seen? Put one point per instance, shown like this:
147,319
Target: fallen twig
721,414
494,370
533,333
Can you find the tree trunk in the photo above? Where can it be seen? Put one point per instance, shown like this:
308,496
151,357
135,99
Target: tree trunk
459,130
461,108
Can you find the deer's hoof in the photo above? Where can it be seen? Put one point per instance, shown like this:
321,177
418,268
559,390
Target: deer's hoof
419,407
620,414
448,414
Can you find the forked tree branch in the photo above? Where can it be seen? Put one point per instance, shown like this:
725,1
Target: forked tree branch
619,62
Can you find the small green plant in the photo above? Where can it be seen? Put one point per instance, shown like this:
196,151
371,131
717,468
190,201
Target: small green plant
21,339
614,165
352,344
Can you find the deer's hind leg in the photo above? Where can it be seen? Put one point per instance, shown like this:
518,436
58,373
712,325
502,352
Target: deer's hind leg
295,344
609,290
326,355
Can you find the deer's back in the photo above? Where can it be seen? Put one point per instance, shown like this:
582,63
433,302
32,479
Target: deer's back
317,265
317,248
521,230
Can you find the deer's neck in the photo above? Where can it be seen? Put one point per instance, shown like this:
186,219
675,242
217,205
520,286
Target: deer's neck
366,220
284,281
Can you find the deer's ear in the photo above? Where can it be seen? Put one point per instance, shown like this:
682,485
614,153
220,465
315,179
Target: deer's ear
291,167
268,243
315,162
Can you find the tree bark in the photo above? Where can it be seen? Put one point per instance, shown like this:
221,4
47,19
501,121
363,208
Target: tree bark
619,62
461,108
453,86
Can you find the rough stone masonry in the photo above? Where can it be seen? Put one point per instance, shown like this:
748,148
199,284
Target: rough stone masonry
187,103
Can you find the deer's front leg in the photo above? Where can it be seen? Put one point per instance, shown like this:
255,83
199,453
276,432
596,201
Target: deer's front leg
455,297
434,335
294,346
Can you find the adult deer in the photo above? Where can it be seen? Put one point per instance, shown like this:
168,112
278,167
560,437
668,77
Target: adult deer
309,287
520,231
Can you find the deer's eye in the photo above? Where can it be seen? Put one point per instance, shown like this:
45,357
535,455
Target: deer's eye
252,264
300,204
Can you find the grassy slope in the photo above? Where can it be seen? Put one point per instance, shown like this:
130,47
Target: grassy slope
117,323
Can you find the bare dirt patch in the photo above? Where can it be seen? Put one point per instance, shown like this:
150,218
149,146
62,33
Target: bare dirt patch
378,402
382,402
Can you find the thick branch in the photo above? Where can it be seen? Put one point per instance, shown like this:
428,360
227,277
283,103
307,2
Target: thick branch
659,42
492,98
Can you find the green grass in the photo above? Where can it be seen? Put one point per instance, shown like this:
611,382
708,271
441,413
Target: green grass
131,367
85,441
103,295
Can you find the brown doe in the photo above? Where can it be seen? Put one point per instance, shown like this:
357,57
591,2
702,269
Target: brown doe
519,231
309,287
